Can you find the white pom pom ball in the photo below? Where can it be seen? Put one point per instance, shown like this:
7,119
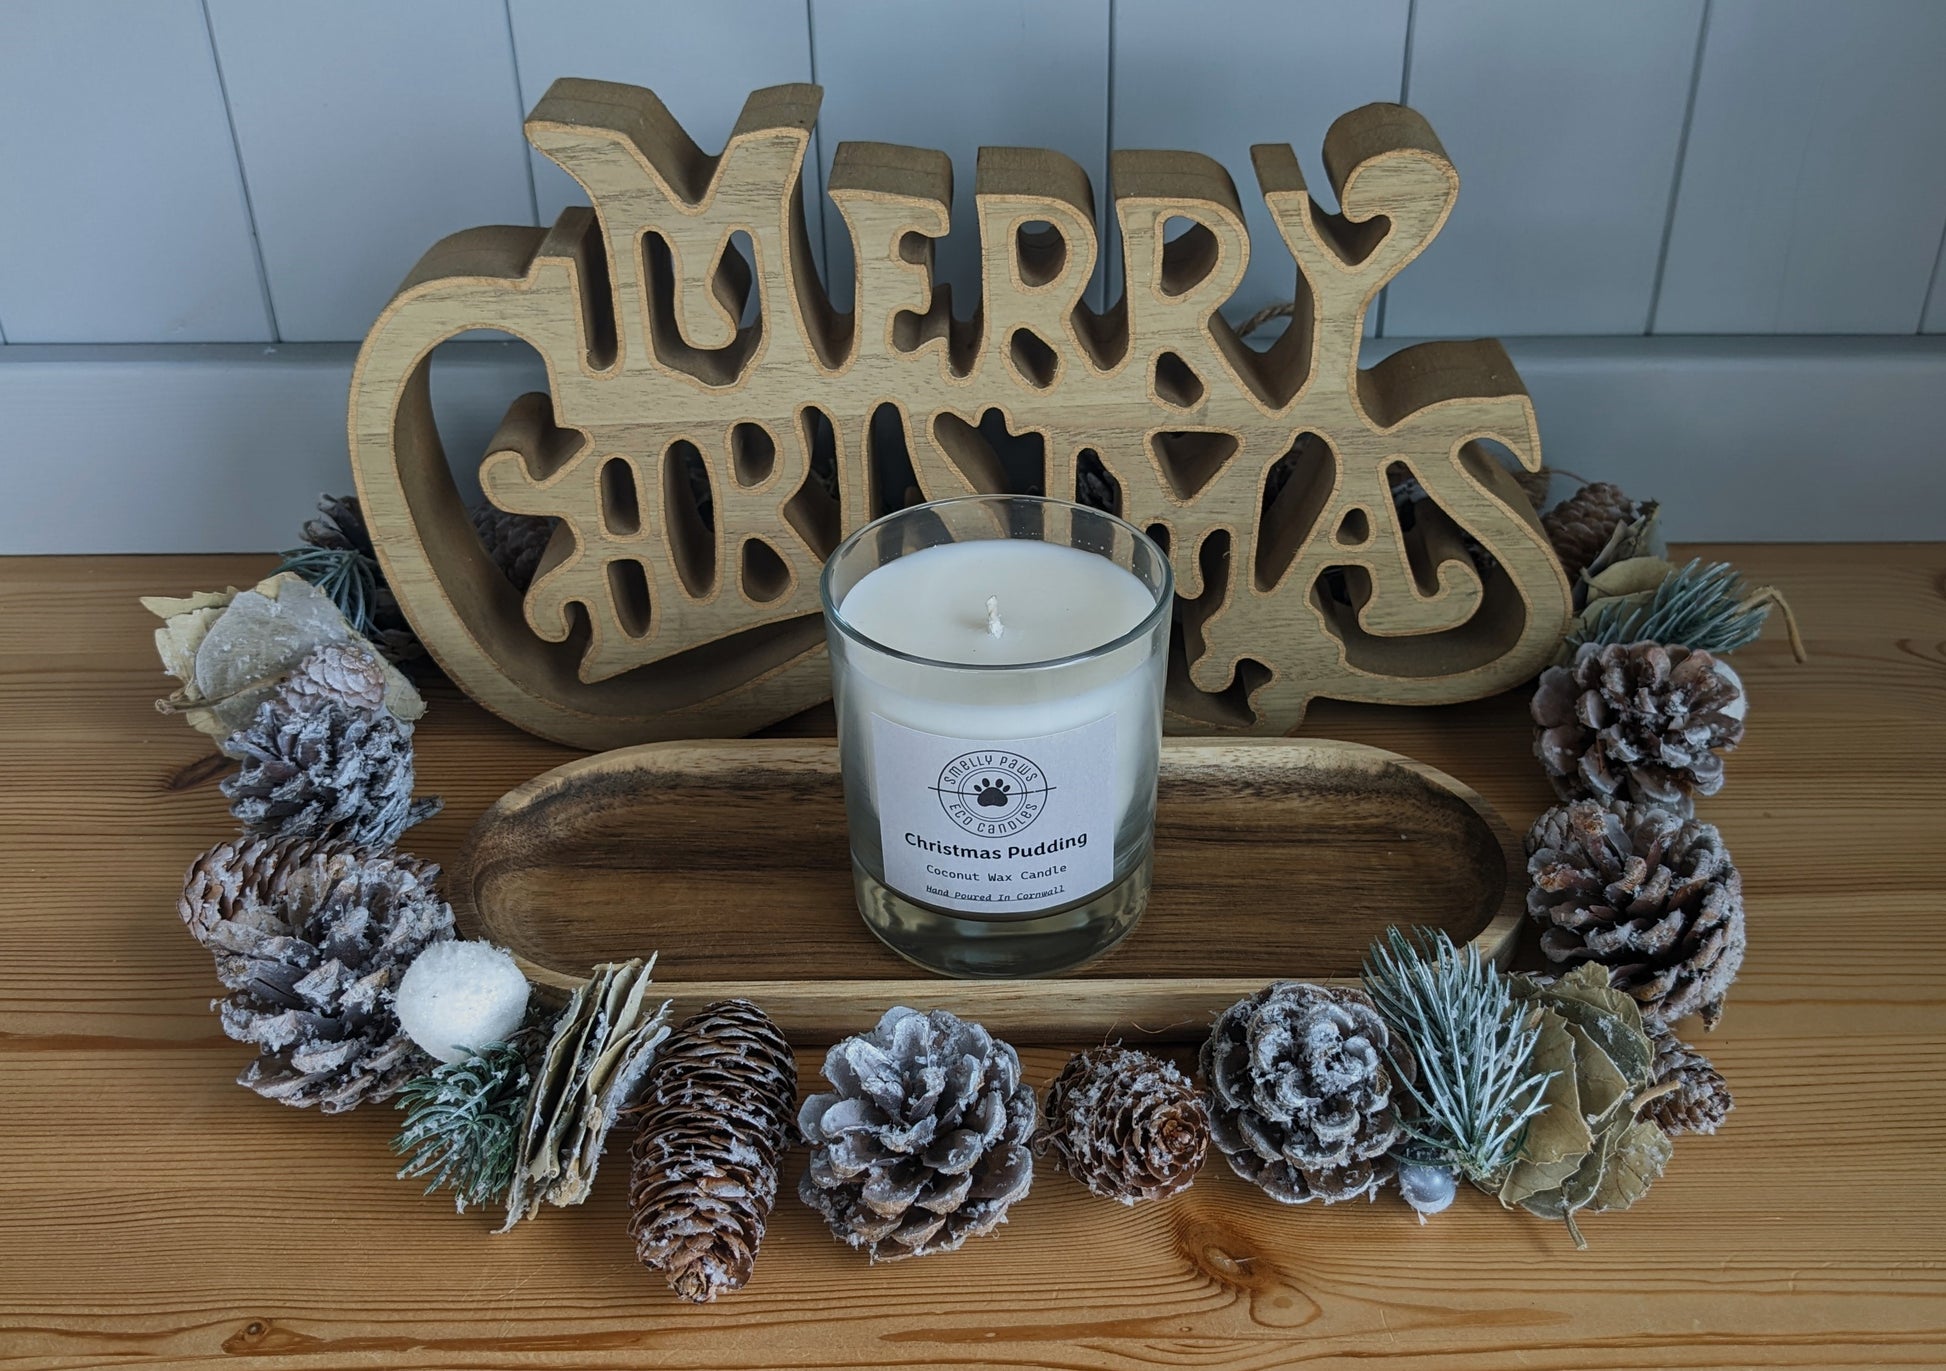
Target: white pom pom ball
458,996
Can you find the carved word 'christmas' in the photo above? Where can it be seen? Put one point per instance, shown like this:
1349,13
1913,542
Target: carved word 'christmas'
678,444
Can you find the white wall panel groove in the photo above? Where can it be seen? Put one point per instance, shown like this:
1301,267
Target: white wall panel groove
368,129
701,60
1814,186
1564,118
122,217
1229,75
956,76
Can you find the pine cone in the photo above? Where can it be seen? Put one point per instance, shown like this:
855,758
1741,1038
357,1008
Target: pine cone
1533,484
922,1143
319,763
311,939
513,542
1301,1097
1636,721
1126,1124
1650,895
711,1131
341,673
1580,526
1700,1099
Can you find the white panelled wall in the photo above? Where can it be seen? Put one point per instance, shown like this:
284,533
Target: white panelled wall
204,203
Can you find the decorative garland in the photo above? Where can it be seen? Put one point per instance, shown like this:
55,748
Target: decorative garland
1558,1094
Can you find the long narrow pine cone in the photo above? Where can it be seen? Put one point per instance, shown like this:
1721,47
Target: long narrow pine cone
1301,1095
1636,721
311,940
1699,1098
1650,895
1126,1124
922,1141
711,1132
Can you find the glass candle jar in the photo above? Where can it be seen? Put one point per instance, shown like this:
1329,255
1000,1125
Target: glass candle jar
998,664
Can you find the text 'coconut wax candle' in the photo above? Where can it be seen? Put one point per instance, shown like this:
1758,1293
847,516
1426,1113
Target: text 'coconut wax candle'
998,664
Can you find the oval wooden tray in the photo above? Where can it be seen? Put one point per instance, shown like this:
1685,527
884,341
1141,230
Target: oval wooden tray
1275,859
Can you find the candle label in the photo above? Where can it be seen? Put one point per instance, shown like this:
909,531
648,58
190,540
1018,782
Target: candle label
996,827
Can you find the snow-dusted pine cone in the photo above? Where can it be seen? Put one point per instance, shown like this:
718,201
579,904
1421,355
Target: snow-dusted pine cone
318,761
922,1142
1636,721
1126,1124
1301,1095
337,673
711,1132
1648,894
1581,525
1701,1099
311,940
513,542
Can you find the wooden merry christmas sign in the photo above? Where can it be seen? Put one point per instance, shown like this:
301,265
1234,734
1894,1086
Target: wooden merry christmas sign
704,451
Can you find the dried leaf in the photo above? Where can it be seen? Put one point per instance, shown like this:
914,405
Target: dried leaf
1636,576
1604,1089
1635,1163
1559,1136
231,648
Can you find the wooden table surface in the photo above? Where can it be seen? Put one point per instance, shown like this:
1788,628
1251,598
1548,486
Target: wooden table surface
151,1212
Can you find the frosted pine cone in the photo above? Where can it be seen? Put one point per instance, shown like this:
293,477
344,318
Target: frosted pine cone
337,673
1126,1124
1301,1096
1636,721
319,762
1650,895
1701,1098
922,1142
712,1129
1581,525
513,542
311,940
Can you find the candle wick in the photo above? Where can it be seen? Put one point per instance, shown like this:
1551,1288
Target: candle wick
994,626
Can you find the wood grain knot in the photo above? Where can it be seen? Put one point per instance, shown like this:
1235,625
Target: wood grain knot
200,772
261,1337
1224,1257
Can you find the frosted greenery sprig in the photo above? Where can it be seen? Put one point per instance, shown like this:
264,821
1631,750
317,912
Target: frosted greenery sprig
1700,605
349,577
1470,1084
462,1124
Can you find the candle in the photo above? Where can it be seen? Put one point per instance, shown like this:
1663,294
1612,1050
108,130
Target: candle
998,667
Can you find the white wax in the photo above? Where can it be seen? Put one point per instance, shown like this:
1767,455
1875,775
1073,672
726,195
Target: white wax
1048,602
1051,601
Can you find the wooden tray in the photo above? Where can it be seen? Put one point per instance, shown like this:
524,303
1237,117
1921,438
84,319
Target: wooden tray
1275,859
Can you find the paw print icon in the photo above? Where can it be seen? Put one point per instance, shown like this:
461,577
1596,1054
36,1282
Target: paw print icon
991,792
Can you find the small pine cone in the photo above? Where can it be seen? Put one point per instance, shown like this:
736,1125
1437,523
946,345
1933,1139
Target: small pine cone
1581,525
1701,1099
712,1128
1301,1095
344,673
513,542
1636,721
319,763
1650,895
922,1143
311,940
1126,1124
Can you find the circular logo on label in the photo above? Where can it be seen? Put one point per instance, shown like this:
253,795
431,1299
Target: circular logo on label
991,793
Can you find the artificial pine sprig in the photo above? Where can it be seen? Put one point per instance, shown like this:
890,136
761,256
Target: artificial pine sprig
463,1123
348,576
1473,1090
1700,605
